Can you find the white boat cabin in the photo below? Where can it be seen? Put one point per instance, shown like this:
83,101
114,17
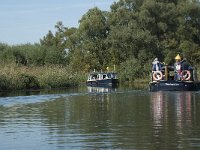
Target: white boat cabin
101,76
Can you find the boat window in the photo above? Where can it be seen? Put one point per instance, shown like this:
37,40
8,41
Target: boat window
99,76
89,77
94,76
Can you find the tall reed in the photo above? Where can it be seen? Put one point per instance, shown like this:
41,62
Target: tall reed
13,77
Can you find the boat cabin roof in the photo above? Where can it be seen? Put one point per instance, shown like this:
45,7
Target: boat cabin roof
99,73
102,75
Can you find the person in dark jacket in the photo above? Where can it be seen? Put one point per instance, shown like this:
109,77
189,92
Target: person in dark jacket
184,64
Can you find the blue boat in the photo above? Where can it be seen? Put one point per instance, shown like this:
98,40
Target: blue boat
174,86
164,80
104,79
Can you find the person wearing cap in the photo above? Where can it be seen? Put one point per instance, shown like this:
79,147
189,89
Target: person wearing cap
177,67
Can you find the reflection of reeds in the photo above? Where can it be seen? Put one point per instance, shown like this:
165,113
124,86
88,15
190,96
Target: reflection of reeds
13,77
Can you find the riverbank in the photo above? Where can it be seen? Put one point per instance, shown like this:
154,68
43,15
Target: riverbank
14,77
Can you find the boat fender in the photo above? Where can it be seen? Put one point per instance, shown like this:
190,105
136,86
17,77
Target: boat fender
186,75
157,75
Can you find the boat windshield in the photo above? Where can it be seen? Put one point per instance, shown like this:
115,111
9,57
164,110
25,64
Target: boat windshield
92,76
101,76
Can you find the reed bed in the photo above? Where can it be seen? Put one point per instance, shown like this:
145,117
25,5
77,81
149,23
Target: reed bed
13,77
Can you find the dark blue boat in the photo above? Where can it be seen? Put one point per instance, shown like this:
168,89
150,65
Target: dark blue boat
174,86
109,79
164,81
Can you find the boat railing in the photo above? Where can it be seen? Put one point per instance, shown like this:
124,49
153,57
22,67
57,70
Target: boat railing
167,73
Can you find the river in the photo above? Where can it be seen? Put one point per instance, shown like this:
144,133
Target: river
100,118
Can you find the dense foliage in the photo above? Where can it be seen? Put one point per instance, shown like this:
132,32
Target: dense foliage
129,36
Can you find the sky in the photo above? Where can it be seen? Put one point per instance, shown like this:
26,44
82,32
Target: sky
27,21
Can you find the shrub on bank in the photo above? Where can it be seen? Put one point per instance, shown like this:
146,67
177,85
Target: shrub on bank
130,71
4,82
27,81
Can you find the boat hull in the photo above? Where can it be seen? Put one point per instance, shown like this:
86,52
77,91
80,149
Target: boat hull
103,83
174,86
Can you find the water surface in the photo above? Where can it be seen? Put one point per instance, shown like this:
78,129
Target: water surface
100,118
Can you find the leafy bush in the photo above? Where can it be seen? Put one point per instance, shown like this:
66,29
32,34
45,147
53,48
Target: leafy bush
4,82
26,81
131,70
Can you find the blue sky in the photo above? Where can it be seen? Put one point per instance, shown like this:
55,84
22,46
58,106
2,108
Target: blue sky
26,21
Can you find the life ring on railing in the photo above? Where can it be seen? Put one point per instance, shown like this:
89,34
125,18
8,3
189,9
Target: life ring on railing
186,75
157,75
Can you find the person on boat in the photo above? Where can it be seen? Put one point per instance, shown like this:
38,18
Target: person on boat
177,68
185,65
187,70
157,65
157,73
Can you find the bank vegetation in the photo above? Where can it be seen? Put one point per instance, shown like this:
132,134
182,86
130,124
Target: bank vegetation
128,36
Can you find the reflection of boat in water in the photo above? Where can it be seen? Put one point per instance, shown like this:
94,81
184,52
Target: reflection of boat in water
168,107
102,79
101,89
164,80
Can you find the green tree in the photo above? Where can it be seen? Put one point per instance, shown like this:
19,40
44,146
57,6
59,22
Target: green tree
54,57
6,54
189,29
48,40
94,30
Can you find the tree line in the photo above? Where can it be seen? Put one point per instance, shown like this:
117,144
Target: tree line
128,36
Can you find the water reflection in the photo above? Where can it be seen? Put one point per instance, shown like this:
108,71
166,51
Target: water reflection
158,110
102,120
164,104
101,89
42,92
183,110
173,111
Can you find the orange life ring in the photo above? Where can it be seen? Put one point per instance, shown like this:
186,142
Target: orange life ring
186,75
157,75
